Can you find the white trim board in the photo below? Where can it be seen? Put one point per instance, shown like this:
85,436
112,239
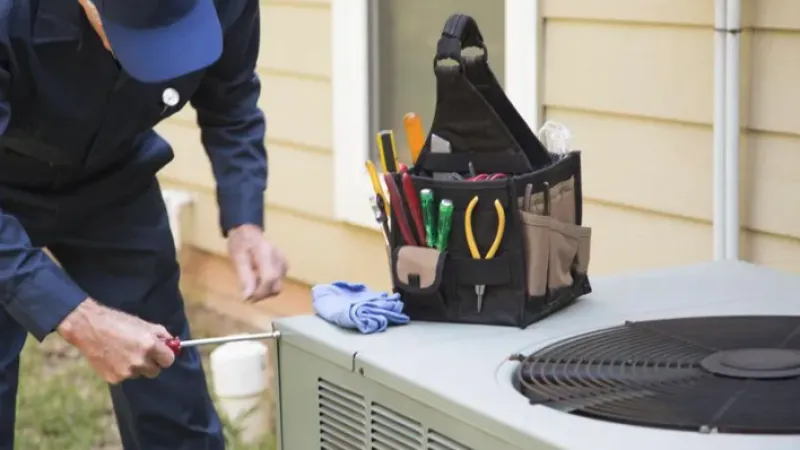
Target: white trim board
351,94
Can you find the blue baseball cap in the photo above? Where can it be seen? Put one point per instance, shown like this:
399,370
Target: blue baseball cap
158,40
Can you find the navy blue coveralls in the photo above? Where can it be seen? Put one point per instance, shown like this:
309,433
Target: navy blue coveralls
78,157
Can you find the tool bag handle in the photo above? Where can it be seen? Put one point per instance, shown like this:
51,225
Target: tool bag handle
473,113
459,32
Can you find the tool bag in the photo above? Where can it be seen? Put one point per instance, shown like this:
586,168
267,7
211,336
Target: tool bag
542,262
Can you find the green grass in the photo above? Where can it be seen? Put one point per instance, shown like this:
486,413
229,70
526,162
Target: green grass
63,405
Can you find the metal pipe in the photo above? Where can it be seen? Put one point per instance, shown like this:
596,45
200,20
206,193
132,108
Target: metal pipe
733,25
719,183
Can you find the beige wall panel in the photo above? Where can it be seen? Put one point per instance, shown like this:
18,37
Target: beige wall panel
296,39
192,166
654,71
771,184
771,251
301,180
626,239
662,166
318,251
690,12
774,94
783,14
298,110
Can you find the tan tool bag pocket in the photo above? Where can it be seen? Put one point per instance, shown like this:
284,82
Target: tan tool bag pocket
568,253
536,236
418,274
561,205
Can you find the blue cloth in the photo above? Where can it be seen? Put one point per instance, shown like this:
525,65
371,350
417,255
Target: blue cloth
354,306
76,133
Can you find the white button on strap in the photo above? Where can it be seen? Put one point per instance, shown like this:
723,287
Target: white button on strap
170,97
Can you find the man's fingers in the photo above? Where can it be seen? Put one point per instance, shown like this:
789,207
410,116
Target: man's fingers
243,263
268,277
150,370
162,355
161,332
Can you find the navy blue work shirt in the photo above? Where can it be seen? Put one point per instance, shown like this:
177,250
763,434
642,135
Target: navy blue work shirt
65,101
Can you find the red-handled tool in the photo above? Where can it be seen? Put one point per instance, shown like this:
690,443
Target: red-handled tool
176,344
412,198
397,205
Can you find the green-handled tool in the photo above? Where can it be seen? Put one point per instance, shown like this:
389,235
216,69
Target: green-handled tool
445,223
428,216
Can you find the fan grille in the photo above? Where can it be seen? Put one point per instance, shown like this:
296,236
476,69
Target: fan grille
737,374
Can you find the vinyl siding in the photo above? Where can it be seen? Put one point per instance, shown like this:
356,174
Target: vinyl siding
633,79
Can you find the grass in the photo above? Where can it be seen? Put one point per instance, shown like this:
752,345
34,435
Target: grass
63,405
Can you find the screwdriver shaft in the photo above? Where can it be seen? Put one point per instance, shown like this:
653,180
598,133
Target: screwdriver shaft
226,339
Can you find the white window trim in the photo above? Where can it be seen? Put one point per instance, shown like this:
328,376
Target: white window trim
352,137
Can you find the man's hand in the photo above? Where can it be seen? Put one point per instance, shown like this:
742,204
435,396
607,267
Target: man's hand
260,266
118,346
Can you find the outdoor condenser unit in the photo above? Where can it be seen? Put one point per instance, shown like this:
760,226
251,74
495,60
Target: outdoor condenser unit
698,357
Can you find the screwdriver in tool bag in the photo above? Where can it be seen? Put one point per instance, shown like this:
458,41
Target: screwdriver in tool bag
176,344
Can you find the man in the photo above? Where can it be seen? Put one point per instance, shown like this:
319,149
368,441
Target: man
81,87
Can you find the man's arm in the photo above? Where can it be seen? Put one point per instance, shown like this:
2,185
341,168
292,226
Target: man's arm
33,288
232,126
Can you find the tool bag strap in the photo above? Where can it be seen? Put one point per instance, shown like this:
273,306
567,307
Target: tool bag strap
460,32
473,113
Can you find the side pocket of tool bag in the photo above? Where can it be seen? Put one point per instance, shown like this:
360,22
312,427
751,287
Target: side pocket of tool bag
418,274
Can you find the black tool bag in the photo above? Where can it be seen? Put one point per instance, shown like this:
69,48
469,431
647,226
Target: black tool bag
541,266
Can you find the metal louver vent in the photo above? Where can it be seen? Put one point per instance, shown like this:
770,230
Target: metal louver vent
392,431
348,421
342,418
437,441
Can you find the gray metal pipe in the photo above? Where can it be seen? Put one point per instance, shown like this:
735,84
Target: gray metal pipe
727,43
733,24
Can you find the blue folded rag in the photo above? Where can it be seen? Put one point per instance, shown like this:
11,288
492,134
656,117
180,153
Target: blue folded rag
350,305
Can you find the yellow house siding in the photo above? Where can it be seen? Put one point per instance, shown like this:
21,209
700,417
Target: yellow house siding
685,12
634,81
771,174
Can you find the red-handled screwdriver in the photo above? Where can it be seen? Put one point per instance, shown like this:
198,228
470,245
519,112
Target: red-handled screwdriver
176,344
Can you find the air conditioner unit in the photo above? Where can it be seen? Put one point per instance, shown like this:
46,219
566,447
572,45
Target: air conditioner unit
698,357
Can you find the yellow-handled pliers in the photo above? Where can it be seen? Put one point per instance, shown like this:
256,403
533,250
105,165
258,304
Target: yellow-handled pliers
473,246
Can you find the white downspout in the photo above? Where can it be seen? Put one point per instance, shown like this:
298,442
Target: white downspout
733,25
719,185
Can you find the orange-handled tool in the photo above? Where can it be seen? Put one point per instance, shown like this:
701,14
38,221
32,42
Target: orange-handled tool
415,135
176,344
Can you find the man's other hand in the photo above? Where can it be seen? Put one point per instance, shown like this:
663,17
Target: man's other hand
118,346
260,266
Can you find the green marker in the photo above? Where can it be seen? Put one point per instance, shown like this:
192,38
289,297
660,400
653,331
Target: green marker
428,216
445,222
